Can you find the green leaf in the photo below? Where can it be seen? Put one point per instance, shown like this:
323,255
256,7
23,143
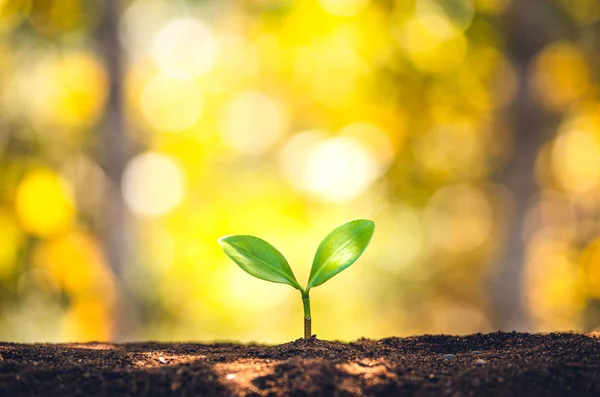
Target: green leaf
341,248
259,258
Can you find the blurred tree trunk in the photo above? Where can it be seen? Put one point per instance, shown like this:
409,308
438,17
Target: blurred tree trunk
115,149
527,25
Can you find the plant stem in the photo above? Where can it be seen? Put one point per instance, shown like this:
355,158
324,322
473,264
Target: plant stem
307,325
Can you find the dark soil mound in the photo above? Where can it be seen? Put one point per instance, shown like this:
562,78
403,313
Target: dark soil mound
498,364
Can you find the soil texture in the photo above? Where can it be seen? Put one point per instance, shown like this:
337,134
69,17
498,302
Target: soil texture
496,364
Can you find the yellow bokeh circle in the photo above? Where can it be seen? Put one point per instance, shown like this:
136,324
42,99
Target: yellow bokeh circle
44,204
70,90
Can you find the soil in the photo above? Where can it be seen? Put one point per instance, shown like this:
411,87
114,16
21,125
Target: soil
497,364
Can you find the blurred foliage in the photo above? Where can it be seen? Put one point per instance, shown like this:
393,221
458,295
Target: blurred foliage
282,119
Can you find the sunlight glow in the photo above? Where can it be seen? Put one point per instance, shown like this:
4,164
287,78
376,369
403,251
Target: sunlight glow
140,22
171,104
336,169
373,139
185,48
70,90
238,64
339,169
295,154
253,122
251,294
153,184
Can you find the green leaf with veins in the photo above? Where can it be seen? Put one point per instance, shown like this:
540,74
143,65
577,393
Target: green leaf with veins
259,258
340,249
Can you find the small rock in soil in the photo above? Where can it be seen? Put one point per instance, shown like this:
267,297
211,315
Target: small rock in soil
449,356
479,361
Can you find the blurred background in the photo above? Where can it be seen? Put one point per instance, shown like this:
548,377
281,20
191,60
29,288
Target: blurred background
134,134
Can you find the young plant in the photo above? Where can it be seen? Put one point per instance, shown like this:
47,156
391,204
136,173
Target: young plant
341,248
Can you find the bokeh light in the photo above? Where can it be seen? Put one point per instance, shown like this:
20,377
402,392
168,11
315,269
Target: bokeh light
171,104
560,75
404,242
339,169
185,48
433,43
373,139
153,184
253,122
552,284
463,208
44,203
467,132
449,149
76,263
577,160
294,156
70,89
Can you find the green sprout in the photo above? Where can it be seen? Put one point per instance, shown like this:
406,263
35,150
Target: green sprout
341,248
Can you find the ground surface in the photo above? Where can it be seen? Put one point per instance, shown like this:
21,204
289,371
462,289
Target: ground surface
498,364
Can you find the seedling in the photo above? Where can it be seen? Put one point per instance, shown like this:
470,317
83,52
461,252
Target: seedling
341,248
